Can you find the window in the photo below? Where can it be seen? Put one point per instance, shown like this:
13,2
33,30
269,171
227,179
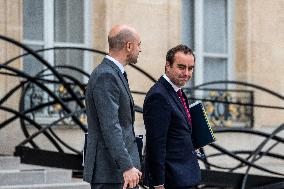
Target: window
33,32
56,23
206,28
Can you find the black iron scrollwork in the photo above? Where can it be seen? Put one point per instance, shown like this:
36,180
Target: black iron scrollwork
51,98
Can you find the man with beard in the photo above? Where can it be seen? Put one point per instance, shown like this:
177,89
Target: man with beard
171,161
112,159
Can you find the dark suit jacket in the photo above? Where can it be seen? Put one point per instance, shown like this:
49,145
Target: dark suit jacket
111,145
170,157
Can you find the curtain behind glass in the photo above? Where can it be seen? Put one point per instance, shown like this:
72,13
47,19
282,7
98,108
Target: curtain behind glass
215,26
215,41
70,57
33,19
69,28
188,23
31,65
69,21
215,69
32,31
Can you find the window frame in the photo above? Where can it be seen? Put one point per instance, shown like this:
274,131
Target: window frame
49,42
48,34
198,40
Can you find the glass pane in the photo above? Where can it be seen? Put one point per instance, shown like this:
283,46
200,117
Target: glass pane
70,57
69,21
31,65
188,23
215,26
33,19
215,69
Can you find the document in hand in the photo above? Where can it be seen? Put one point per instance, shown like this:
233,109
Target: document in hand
202,133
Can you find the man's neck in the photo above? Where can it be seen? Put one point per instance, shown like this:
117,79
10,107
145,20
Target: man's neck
116,62
175,87
118,57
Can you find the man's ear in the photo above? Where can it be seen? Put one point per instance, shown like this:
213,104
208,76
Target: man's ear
167,66
128,46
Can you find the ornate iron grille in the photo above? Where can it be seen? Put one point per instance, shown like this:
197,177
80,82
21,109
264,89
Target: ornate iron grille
225,107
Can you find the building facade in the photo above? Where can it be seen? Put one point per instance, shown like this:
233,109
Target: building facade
233,40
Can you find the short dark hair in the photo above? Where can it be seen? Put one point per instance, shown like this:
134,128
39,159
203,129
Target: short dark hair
179,48
118,41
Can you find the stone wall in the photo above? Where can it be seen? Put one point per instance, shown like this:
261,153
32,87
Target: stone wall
10,26
259,56
158,22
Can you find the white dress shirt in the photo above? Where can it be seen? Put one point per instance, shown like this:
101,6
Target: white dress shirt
120,66
176,88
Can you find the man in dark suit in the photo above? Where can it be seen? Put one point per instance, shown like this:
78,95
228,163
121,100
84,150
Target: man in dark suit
112,159
171,161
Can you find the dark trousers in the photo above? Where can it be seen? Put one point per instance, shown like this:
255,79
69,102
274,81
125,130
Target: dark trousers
189,187
181,188
108,186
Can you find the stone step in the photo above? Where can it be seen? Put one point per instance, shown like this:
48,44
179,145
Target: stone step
15,175
34,176
72,185
9,163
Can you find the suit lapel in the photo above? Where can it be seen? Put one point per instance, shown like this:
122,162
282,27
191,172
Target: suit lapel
175,98
125,84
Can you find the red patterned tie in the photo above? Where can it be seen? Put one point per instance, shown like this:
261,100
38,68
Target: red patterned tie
179,92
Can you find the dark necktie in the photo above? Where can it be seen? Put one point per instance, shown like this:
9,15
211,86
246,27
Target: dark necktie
179,92
125,76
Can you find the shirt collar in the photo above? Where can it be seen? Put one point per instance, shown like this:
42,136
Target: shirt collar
120,66
176,88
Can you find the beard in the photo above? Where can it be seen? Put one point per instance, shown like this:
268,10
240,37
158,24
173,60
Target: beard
176,80
181,83
131,59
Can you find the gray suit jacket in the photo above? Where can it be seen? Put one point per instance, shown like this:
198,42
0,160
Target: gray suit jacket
111,145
